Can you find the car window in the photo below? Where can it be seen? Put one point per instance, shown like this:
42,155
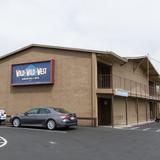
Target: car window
61,110
33,111
44,111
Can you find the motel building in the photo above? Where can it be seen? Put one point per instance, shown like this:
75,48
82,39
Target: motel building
102,88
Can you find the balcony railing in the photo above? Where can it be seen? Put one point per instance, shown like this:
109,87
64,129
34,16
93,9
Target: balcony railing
104,81
134,88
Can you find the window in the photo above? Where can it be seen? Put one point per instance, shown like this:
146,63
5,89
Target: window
33,111
61,110
44,111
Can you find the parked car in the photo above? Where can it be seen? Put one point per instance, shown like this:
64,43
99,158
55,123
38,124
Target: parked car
48,117
2,115
157,118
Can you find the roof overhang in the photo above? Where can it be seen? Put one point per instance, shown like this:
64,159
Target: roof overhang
104,54
145,63
109,56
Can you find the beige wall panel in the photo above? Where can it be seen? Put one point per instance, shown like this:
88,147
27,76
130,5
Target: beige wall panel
119,111
148,111
85,123
158,109
122,74
72,88
142,110
132,111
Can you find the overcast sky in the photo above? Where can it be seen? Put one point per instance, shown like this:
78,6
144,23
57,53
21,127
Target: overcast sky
126,27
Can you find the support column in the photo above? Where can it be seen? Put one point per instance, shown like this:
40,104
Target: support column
126,104
137,110
112,111
93,89
156,109
146,110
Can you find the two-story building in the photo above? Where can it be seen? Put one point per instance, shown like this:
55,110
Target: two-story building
102,88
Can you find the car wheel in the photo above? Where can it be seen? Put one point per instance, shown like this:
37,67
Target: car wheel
51,124
16,122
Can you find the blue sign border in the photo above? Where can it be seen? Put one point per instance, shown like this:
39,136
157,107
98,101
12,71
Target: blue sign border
50,80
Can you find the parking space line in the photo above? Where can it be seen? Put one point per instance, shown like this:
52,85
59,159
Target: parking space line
3,142
158,130
32,129
134,128
146,129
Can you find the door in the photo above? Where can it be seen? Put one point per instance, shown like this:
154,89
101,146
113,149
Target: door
43,115
104,111
31,117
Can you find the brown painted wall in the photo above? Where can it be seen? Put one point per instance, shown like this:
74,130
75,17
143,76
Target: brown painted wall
119,111
142,110
72,88
126,71
132,110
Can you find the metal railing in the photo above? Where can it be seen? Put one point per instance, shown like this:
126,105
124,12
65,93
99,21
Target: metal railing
104,81
134,88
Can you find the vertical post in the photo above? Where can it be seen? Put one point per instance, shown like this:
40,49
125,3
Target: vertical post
156,108
148,74
148,66
136,89
137,110
112,111
93,88
146,110
126,104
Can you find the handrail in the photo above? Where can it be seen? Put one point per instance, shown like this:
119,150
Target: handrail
134,88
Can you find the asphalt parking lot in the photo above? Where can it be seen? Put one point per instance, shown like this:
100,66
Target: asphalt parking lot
81,143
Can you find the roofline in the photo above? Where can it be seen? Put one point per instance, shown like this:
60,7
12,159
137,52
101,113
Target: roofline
138,57
143,57
63,48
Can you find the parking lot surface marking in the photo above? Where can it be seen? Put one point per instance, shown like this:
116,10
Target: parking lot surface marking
158,130
3,142
82,143
134,128
146,129
35,129
52,142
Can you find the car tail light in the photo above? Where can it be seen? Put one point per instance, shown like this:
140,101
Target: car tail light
64,116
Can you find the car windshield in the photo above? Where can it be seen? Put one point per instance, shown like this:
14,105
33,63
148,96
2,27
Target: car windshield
61,110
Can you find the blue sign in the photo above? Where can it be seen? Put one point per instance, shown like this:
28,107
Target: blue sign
33,73
121,92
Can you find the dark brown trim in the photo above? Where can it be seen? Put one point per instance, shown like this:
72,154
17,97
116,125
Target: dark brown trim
92,119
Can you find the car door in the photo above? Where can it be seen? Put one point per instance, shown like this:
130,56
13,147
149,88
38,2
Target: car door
31,117
43,115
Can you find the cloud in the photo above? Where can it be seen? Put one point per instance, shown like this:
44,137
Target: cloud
126,27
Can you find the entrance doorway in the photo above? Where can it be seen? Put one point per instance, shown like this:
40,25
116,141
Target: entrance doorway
104,111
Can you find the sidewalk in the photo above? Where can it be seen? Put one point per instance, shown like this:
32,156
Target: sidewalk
132,125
